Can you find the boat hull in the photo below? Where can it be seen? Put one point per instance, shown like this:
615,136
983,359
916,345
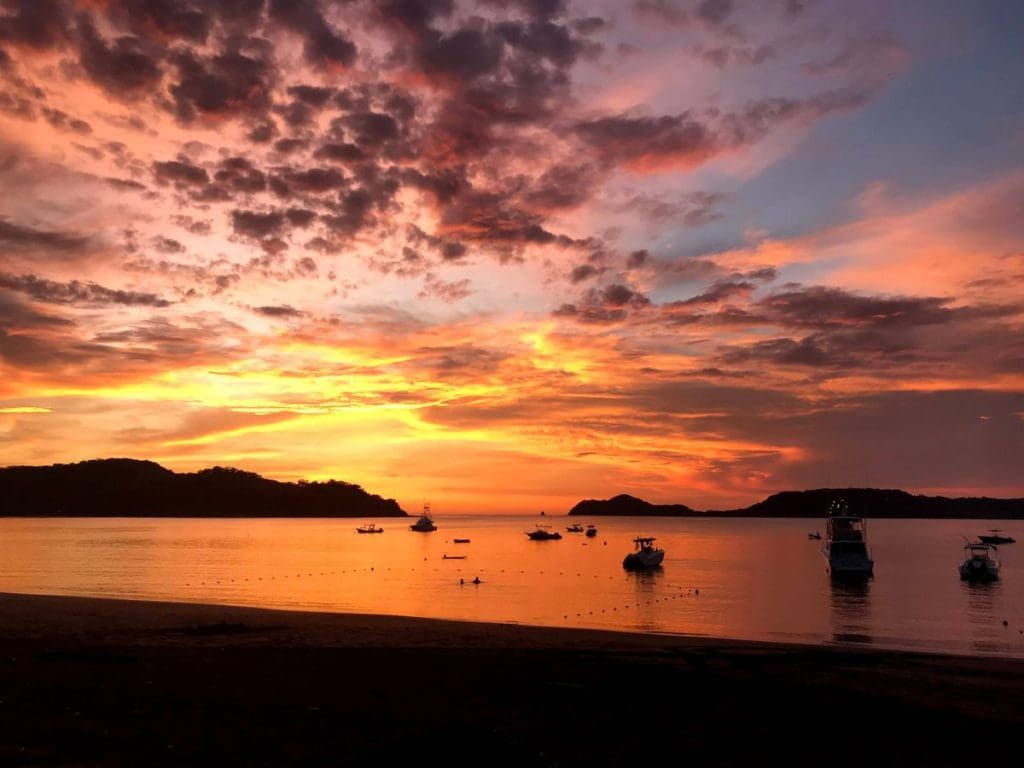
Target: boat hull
642,561
970,572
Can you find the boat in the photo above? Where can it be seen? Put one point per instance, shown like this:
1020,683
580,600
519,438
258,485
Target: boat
591,531
543,534
981,562
460,541
645,556
575,528
995,537
453,557
814,535
425,524
369,528
846,547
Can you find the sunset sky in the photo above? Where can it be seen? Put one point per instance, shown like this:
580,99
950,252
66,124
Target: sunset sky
504,256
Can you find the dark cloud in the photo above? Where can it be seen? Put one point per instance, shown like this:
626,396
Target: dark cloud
823,307
16,315
584,272
124,185
323,46
637,259
277,311
257,225
75,292
311,95
123,68
167,245
19,237
236,81
339,153
715,11
180,173
647,140
169,18
35,23
64,122
194,226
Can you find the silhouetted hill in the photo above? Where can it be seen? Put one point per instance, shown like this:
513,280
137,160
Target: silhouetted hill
870,502
624,504
131,488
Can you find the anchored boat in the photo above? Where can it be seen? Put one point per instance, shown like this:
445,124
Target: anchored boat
846,547
645,556
425,524
981,562
543,534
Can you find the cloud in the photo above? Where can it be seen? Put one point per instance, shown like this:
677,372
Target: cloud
278,311
78,293
18,237
180,173
123,69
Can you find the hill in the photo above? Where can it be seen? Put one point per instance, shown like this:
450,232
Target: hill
871,502
131,488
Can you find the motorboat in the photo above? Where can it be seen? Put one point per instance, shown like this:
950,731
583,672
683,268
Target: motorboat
644,556
846,547
814,536
575,528
591,531
543,534
995,537
369,528
460,541
425,523
453,557
981,562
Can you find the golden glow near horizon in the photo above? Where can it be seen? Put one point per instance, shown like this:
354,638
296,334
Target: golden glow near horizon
443,278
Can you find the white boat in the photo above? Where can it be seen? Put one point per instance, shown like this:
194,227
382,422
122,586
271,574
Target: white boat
981,562
846,547
425,524
543,534
645,556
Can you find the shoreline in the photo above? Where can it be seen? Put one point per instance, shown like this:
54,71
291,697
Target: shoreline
93,681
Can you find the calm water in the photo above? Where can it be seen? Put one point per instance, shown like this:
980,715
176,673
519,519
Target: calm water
740,578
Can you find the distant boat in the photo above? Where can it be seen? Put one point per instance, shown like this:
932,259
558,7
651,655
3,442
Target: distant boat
543,534
995,537
646,555
981,562
846,546
575,528
591,531
369,528
814,535
453,557
425,524
460,541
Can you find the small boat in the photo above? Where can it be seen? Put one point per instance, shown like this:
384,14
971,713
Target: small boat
460,541
591,531
846,546
369,528
645,556
453,557
814,535
981,562
996,537
425,524
543,534
574,528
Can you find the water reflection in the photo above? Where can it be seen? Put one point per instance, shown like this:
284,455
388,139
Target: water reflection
645,593
982,614
851,610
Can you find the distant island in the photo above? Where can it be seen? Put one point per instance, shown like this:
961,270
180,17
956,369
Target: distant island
871,502
132,488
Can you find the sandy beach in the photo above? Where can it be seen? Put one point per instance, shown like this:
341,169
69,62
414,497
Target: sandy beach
104,682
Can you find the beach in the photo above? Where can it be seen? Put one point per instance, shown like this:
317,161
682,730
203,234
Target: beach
102,682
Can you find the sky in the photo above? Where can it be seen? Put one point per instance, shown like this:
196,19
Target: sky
503,256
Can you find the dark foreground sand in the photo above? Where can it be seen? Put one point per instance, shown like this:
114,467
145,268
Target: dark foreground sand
99,682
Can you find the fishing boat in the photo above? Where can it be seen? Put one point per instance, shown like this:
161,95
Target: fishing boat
644,556
574,528
460,541
981,562
369,528
543,534
591,531
453,557
846,546
995,537
425,524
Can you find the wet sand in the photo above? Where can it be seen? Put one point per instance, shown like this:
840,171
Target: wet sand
102,682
